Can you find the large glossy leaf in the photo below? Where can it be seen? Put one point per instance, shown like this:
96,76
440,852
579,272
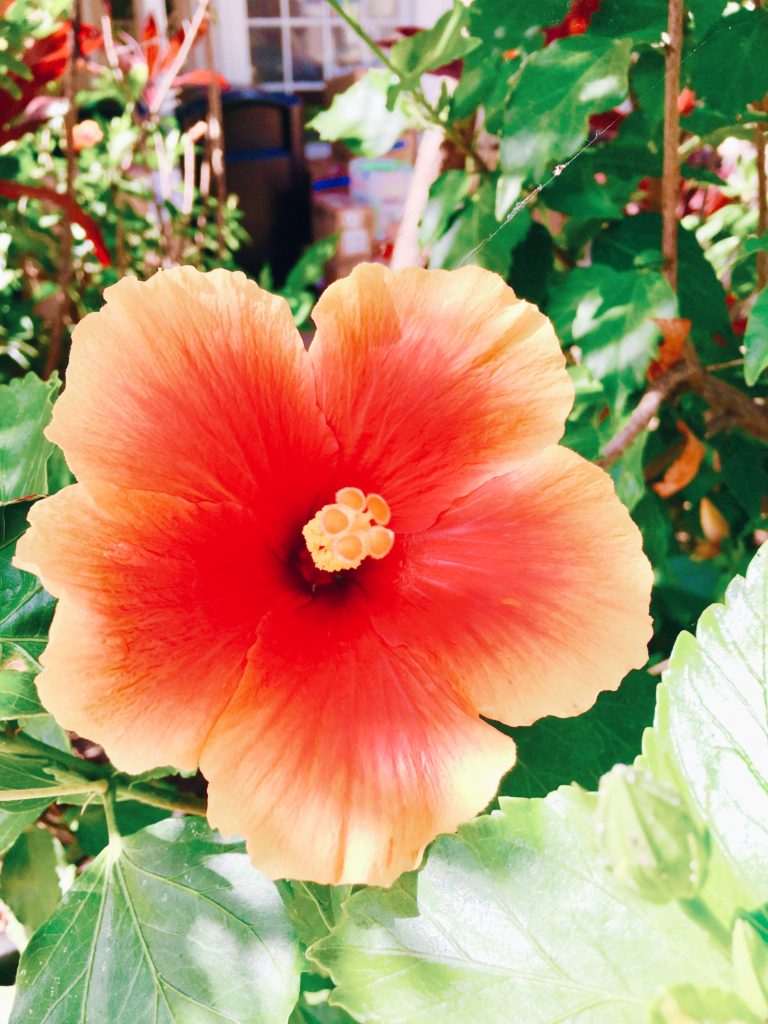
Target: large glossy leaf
738,42
558,89
556,751
26,608
176,927
713,719
609,314
515,918
26,405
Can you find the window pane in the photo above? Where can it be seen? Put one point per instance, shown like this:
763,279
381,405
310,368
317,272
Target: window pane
307,53
263,8
266,55
382,9
307,8
348,49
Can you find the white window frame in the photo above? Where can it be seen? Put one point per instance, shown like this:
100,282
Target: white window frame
231,39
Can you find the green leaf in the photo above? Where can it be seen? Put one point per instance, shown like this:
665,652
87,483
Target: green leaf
700,293
360,118
26,609
13,823
641,20
555,751
26,405
756,340
712,720
29,883
609,315
309,269
699,1005
177,927
313,909
739,43
18,695
446,194
505,26
431,48
514,916
557,91
476,236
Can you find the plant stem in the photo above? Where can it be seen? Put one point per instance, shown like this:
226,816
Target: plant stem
762,205
64,281
96,777
51,793
416,94
670,180
699,912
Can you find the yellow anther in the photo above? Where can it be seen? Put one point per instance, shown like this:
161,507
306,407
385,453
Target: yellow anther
379,509
334,519
341,535
353,497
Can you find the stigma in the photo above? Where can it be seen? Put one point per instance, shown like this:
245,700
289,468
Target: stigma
340,536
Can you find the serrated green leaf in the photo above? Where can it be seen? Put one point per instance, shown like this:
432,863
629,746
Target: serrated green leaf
18,695
29,883
609,314
756,340
557,91
514,916
712,720
26,405
26,609
176,928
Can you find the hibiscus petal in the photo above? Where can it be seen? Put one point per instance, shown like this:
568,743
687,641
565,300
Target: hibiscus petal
196,385
533,590
160,599
340,758
434,380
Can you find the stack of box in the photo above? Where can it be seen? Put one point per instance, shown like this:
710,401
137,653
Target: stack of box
360,199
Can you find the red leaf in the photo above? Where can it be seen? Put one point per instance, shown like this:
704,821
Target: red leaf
201,76
18,190
150,41
674,332
685,467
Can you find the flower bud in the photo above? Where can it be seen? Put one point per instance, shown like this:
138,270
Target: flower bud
651,842
750,964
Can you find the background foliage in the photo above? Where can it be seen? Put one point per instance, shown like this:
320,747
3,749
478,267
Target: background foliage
589,891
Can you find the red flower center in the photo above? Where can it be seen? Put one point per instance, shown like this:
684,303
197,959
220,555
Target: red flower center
340,536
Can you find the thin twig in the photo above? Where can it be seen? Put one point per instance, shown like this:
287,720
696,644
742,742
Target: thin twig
190,34
648,406
670,181
216,144
64,277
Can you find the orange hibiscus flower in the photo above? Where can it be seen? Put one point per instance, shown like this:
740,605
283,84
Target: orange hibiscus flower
312,572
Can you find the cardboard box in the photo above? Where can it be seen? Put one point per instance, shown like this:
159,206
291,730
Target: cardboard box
336,212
